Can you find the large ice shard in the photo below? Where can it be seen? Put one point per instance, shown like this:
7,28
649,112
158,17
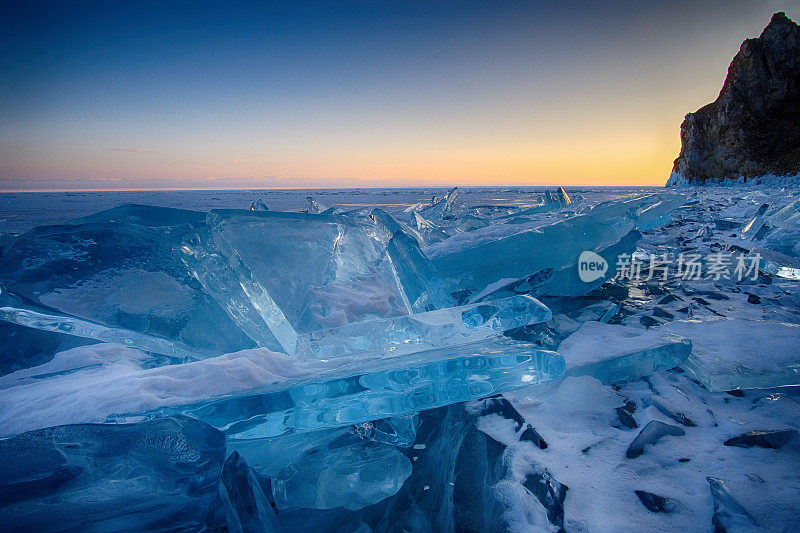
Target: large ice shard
443,208
420,331
612,353
118,270
475,260
219,281
350,476
18,311
366,390
423,288
308,272
729,514
151,476
366,289
314,207
241,505
778,231
741,354
264,393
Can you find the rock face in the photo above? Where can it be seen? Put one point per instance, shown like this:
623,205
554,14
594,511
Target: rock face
753,127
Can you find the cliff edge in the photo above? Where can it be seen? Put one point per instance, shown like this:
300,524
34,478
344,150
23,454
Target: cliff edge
753,127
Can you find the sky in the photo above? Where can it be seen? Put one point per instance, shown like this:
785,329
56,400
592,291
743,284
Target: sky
142,95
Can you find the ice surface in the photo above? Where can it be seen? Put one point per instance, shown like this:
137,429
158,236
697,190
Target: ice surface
241,504
434,329
117,272
613,353
730,353
549,456
475,260
265,393
374,389
351,476
320,271
148,476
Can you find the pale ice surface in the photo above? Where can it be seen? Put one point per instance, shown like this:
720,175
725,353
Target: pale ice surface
412,360
741,354
615,353
264,393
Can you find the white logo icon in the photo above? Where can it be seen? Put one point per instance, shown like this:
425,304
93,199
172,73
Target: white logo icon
591,266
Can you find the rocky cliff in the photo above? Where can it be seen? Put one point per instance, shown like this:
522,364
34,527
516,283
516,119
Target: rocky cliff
753,127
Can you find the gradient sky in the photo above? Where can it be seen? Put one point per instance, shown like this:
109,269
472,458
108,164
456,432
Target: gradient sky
164,94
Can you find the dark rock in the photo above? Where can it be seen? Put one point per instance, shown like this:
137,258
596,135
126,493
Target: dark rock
684,460
650,434
654,502
762,439
753,299
753,127
661,313
500,406
739,393
550,493
648,321
669,298
625,414
728,512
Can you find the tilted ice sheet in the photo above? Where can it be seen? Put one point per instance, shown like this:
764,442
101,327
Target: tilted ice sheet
736,353
264,393
308,272
475,260
613,353
121,269
423,331
362,391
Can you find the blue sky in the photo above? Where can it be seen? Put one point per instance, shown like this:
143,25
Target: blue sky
195,94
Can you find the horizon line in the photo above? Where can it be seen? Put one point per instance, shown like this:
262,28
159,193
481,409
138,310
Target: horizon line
187,189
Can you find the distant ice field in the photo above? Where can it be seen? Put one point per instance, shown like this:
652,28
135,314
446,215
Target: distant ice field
22,211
